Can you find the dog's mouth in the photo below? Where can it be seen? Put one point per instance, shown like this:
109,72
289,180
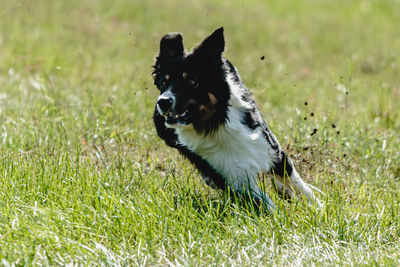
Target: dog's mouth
173,119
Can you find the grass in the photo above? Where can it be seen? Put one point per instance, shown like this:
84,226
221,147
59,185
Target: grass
85,180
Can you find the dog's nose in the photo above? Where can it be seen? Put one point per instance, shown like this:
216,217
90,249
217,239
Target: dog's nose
164,103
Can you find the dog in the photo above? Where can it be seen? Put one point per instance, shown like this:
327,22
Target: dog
205,111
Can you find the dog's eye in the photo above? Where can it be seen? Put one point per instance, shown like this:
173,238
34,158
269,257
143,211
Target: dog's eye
193,83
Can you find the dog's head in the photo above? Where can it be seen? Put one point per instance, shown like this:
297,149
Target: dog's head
193,88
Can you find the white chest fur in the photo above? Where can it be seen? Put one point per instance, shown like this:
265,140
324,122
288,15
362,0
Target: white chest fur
235,151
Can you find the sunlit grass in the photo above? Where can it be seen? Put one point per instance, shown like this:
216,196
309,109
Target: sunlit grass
84,178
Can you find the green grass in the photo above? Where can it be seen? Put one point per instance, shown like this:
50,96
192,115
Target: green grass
84,178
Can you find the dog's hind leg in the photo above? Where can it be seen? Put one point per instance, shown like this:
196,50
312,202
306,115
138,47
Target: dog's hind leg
288,182
304,188
283,187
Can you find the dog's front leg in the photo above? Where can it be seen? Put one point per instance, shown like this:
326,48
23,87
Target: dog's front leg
247,185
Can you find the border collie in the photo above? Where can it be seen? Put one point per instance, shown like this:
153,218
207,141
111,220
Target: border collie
206,112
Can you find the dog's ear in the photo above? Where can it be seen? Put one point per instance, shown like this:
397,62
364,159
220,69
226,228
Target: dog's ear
213,45
171,45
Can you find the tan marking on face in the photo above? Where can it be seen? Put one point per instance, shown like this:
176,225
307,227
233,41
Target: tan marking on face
166,77
213,100
210,107
203,108
206,112
185,75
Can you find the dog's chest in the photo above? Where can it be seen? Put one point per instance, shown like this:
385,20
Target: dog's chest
233,150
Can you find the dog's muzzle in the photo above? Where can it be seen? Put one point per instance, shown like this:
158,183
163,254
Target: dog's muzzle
166,108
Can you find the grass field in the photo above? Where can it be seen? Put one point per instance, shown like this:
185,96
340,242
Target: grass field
85,180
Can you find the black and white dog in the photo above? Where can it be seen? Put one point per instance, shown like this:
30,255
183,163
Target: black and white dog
206,112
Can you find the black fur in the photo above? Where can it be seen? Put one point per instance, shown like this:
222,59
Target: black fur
204,65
